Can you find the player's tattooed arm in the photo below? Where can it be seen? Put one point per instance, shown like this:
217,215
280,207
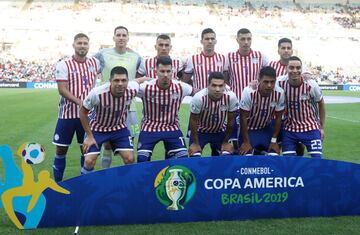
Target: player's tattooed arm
322,118
63,88
89,140
274,147
245,147
195,146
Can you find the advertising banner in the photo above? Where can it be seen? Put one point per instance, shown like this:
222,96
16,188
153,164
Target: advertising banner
12,84
191,189
41,85
331,87
352,88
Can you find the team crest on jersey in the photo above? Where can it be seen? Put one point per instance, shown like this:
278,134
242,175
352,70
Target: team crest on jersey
272,104
255,60
223,107
92,69
152,68
174,96
304,97
199,65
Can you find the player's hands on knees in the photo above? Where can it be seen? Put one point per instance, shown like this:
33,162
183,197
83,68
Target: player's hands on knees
227,148
322,134
245,148
88,142
194,148
274,147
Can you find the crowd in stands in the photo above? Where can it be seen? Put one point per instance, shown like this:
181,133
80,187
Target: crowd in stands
19,70
52,26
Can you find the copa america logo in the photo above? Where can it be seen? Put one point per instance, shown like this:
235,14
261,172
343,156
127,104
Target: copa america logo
174,187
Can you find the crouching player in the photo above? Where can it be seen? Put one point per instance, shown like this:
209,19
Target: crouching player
305,111
257,109
110,102
161,99
212,119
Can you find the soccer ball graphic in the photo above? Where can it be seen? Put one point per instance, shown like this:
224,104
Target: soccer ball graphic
33,153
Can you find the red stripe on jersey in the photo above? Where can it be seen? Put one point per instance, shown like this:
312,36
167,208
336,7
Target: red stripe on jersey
262,109
161,108
213,116
279,68
81,79
111,113
203,65
301,113
243,69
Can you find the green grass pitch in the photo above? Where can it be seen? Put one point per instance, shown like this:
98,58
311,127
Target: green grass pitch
30,115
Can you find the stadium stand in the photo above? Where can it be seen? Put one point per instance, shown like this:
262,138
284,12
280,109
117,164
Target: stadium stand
322,32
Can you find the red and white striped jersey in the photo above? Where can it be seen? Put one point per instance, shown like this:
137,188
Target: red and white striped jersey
110,112
261,108
279,68
81,78
213,113
200,66
301,105
161,106
148,67
244,69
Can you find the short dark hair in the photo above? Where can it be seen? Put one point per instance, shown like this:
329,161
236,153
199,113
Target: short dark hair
282,40
243,31
80,35
206,31
164,60
163,36
295,58
267,71
216,75
121,27
118,70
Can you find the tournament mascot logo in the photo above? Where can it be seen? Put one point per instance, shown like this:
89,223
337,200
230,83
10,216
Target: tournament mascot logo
175,186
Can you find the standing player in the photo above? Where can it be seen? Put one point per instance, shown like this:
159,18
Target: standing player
257,109
245,63
198,67
302,124
244,66
209,109
111,103
285,51
161,99
163,47
75,78
109,58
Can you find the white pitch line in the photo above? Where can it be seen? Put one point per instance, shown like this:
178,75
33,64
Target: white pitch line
343,119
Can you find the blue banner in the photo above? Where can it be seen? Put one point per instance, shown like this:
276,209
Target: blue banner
352,87
180,190
206,189
41,85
